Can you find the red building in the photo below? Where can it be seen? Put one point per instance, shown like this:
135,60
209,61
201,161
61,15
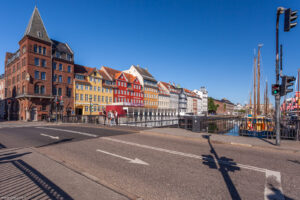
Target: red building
38,71
128,89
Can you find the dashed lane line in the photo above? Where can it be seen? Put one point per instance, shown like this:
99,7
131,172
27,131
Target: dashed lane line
69,131
269,173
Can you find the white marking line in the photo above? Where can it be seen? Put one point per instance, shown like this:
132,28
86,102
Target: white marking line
69,131
135,161
266,171
50,136
269,192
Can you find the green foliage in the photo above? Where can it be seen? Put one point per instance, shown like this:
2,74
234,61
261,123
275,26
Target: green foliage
212,107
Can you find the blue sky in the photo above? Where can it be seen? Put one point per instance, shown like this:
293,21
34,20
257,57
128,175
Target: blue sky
191,42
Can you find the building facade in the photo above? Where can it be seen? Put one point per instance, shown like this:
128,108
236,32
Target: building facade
29,75
89,94
203,94
225,107
149,85
163,97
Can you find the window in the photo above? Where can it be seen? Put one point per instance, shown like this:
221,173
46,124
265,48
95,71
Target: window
95,97
106,99
90,97
86,97
115,99
36,61
36,74
60,78
76,97
59,91
110,90
44,50
95,88
69,80
81,87
110,99
99,98
60,67
91,88
40,49
69,57
102,98
86,108
35,48
57,54
68,92
69,68
91,78
54,65
43,75
54,78
99,89
81,97
42,89
54,91
43,63
86,87
36,89
77,86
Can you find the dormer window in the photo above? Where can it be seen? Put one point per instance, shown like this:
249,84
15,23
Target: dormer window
57,54
40,34
69,57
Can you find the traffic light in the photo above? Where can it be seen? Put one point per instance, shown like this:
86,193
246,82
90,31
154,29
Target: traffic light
275,89
289,19
287,81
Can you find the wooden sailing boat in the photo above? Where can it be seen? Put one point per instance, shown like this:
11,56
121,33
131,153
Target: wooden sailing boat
257,124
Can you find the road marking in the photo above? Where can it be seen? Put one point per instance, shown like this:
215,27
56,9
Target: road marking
50,136
135,161
269,173
273,191
69,131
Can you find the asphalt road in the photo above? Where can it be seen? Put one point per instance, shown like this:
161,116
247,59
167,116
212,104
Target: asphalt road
159,167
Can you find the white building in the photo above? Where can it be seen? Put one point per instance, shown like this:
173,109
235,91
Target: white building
163,97
202,92
173,95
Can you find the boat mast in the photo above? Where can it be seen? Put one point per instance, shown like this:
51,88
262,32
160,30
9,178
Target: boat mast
258,80
250,104
254,89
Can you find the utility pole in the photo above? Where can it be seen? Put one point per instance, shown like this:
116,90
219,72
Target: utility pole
280,10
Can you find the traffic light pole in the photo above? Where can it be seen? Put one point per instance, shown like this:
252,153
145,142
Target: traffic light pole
277,97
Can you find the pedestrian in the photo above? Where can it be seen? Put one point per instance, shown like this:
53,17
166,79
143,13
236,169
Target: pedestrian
117,118
104,115
109,117
112,118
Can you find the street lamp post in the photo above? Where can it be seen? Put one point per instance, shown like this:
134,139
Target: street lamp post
91,98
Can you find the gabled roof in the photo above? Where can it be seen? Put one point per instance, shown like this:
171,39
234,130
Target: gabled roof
144,73
36,28
61,47
130,77
117,75
79,69
110,71
104,75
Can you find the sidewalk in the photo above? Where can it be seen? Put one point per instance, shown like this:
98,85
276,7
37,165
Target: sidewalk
288,145
27,174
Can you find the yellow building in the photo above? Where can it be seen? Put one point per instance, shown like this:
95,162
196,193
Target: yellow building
91,96
149,85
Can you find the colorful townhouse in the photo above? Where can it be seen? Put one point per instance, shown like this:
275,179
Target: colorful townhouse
128,90
163,96
149,85
39,70
90,95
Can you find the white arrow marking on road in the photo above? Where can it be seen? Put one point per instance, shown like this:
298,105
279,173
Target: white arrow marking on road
135,161
50,136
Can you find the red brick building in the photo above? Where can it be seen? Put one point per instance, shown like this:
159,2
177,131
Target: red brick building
128,88
37,72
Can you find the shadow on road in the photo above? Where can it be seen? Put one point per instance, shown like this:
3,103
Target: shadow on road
267,141
19,180
276,194
2,146
57,142
295,161
225,165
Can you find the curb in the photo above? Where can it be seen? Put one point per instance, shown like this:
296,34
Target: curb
218,141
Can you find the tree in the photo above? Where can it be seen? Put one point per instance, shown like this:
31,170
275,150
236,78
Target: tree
212,107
